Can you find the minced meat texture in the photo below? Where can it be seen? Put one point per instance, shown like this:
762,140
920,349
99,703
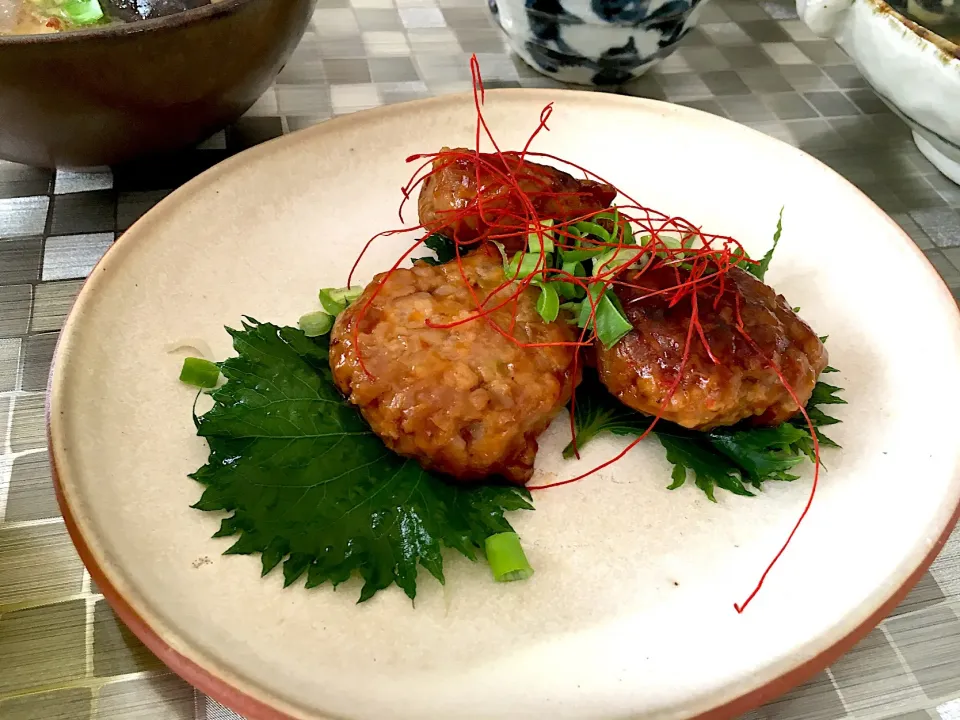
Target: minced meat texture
554,194
741,385
464,401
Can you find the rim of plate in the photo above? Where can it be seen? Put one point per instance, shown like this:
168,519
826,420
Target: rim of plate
239,694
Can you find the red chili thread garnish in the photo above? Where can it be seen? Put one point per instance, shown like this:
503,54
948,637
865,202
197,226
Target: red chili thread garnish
816,473
508,194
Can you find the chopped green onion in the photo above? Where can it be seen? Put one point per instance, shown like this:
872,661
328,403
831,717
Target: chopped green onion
583,251
615,258
594,291
680,244
199,373
522,265
621,226
315,324
533,238
329,304
81,12
610,323
569,290
548,304
533,243
575,268
347,295
506,557
590,228
582,254
335,300
531,263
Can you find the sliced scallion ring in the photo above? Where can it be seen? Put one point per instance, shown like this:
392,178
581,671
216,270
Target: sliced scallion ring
506,557
569,290
315,324
534,243
548,304
591,228
615,258
581,254
522,265
199,373
335,300
610,323
594,292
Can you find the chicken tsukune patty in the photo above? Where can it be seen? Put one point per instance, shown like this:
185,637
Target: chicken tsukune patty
741,385
554,194
465,400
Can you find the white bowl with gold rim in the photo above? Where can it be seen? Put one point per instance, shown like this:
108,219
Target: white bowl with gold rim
914,70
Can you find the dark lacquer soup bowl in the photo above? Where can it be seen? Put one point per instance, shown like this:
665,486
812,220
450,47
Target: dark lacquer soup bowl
107,94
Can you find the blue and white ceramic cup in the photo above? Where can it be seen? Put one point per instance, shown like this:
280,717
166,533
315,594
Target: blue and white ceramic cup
595,42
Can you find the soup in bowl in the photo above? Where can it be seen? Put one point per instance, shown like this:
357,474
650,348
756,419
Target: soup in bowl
939,16
41,17
99,82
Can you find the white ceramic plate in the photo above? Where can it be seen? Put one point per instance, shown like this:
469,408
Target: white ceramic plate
631,612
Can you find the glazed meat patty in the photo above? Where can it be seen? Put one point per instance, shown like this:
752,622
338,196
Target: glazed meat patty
741,386
554,194
465,401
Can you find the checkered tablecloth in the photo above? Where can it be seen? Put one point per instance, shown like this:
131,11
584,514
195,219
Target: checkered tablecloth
62,653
